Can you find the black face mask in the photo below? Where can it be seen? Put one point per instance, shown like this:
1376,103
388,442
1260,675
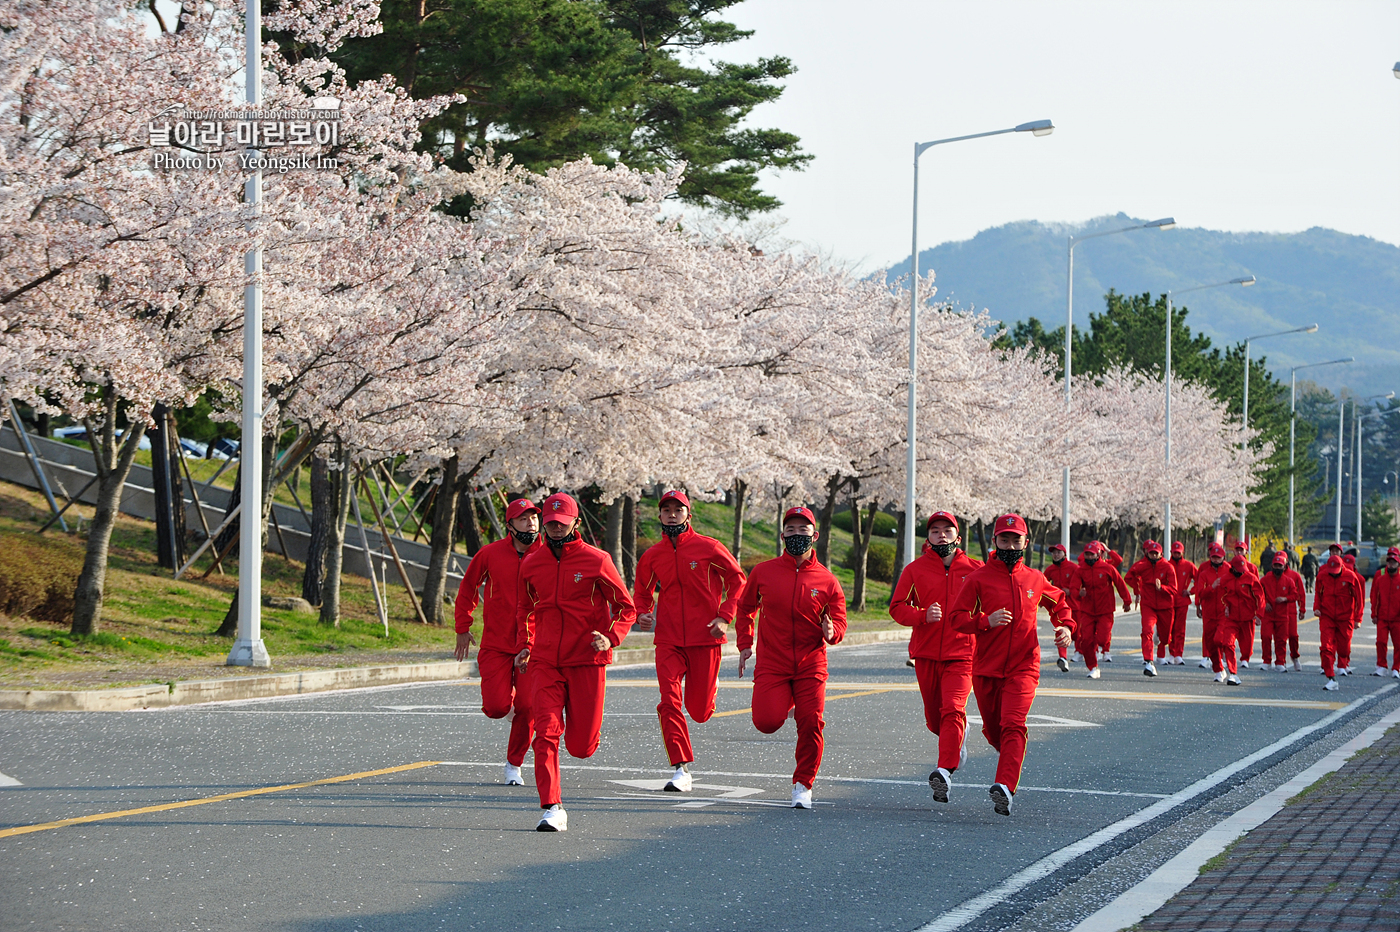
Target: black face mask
1236,572
797,544
1090,561
941,549
1010,557
526,537
673,530
1057,559
558,545
1278,571
1154,557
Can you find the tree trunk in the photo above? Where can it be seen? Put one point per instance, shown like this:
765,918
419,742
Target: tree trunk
466,517
899,559
741,501
322,517
862,533
834,485
982,539
444,534
340,488
612,534
629,539
1041,529
165,483
113,466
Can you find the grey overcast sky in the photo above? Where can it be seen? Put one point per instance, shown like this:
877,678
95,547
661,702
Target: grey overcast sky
1233,115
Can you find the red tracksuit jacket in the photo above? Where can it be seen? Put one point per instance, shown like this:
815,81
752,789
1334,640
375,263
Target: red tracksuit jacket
1385,597
1290,588
1065,577
1209,589
1099,581
693,574
1338,597
1243,597
497,565
794,597
1185,575
924,582
1142,576
563,600
1011,649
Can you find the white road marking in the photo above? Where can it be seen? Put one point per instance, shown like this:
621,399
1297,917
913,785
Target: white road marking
727,792
961,915
1046,721
1171,878
772,804
9,781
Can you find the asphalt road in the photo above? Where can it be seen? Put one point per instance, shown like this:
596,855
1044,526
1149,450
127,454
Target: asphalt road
445,845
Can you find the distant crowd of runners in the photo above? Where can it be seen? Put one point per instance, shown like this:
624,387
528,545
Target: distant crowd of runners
554,608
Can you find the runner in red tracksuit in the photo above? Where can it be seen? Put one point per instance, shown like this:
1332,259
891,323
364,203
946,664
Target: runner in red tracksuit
1243,600
1063,574
1349,561
572,610
942,656
495,570
803,610
1155,581
998,603
1174,650
1210,606
1336,600
1097,581
1283,604
1385,612
1244,631
699,581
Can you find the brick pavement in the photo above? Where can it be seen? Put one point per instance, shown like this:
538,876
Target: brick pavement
1318,865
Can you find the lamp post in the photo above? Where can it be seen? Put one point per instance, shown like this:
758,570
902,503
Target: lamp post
1356,429
1035,128
1166,223
248,648
1244,443
1293,425
1246,281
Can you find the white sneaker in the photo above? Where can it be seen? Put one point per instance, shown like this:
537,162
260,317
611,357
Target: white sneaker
1063,664
910,661
513,776
1280,668
801,796
679,782
1093,674
1220,677
1345,671
1297,666
1001,798
1244,664
1232,680
555,819
1395,673
1106,657
940,781
1331,685
1076,657
1380,671
1205,663
1179,661
1148,669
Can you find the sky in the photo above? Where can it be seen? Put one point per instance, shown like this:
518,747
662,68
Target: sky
1231,115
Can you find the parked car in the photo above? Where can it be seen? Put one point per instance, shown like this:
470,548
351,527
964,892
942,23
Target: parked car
194,448
223,449
75,432
1369,557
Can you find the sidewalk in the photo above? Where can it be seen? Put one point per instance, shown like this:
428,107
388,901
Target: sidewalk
1329,861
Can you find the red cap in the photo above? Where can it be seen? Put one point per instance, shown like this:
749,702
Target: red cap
560,507
1215,549
1280,559
520,506
1093,547
1241,545
1349,560
1178,547
942,516
1334,563
1014,524
1057,546
1393,553
800,512
1237,563
1151,546
1334,546
675,495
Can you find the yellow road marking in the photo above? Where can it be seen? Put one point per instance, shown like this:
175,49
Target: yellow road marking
184,804
868,692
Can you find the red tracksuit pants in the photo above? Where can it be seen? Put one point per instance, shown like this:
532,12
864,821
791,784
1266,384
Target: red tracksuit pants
568,702
1244,636
1209,626
1336,643
1223,652
689,679
1004,703
1277,633
945,685
503,687
1387,633
777,694
1172,641
1156,623
1091,633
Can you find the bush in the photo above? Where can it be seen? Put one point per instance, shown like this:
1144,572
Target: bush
879,561
37,580
885,524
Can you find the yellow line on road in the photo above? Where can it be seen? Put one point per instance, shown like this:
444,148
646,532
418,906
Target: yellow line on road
868,692
184,804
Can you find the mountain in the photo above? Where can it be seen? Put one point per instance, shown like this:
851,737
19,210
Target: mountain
1348,285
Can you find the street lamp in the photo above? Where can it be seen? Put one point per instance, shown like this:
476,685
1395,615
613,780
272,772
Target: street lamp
1246,281
1035,128
1396,70
1293,425
1244,443
1166,223
1385,480
1356,429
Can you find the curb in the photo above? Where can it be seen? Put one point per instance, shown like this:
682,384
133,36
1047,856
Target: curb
193,692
